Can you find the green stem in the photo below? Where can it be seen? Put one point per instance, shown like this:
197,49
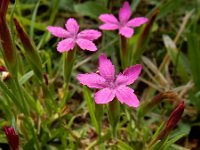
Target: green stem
123,50
114,115
13,89
99,116
69,59
6,89
19,91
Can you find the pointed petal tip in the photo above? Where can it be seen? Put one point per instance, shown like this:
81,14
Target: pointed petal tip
108,18
102,16
146,19
92,80
71,19
78,77
103,56
137,21
106,68
139,66
136,105
126,3
58,31
125,12
81,79
72,25
48,28
131,73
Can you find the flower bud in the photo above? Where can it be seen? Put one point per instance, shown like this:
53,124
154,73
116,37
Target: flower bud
175,117
12,137
8,48
2,69
3,7
30,50
171,122
147,106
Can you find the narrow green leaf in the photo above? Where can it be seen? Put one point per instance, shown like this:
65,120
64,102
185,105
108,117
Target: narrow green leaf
194,57
90,9
134,4
124,146
33,19
13,97
66,5
38,26
156,146
91,107
104,138
114,115
68,64
168,7
151,143
177,58
25,77
171,141
7,47
136,44
30,52
99,115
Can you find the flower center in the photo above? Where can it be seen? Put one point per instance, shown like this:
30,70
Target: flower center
122,24
111,84
74,37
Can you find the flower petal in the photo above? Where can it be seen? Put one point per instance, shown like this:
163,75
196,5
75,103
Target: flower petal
136,22
89,34
108,26
104,96
126,95
108,18
132,73
125,13
92,80
106,68
58,31
126,31
121,80
65,45
86,44
72,26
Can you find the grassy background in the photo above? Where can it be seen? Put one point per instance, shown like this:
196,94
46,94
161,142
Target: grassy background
168,49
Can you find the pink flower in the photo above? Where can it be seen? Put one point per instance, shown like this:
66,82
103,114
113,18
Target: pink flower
124,25
111,85
71,36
